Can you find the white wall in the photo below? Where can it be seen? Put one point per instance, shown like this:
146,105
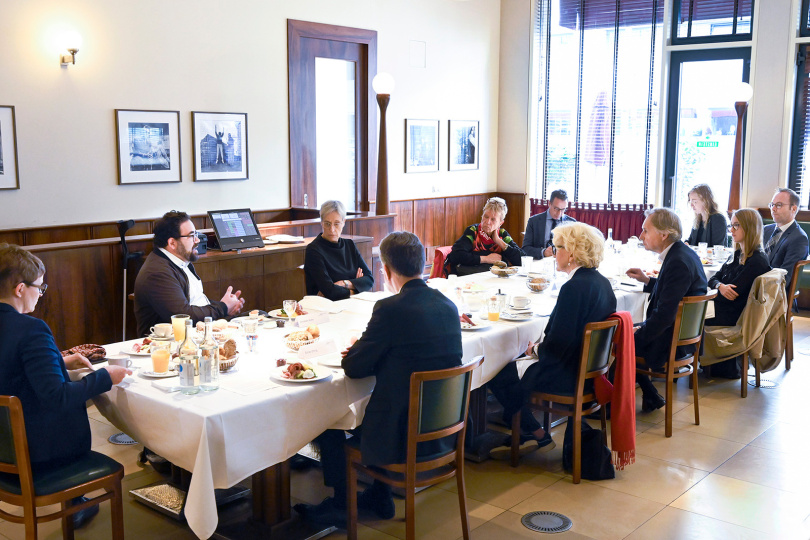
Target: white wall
209,55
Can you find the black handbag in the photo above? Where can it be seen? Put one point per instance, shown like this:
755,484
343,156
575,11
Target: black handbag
597,463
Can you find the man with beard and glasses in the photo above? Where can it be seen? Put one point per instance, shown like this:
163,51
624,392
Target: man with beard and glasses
167,283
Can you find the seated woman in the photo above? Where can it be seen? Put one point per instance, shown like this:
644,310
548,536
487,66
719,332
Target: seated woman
710,223
32,368
483,244
333,266
734,280
586,297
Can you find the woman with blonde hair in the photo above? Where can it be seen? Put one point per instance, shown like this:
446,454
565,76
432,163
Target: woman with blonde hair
710,224
584,298
485,243
735,279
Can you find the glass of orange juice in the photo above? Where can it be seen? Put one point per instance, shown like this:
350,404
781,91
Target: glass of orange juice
179,327
493,308
161,354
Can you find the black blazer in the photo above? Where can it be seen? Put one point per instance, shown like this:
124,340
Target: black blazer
327,262
32,368
415,330
726,312
533,241
587,297
791,248
714,234
681,275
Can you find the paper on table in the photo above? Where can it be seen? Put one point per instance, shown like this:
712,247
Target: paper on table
320,303
319,348
286,238
319,317
167,385
372,296
245,388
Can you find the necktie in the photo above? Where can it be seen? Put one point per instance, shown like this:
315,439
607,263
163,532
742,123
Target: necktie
553,224
773,241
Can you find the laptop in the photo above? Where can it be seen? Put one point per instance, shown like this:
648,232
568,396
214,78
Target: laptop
235,229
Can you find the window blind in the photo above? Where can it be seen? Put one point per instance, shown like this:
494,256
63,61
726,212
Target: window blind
800,147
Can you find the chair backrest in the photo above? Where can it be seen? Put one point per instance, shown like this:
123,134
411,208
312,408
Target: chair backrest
596,344
793,289
14,443
439,401
689,320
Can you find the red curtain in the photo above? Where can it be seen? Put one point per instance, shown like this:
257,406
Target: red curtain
624,219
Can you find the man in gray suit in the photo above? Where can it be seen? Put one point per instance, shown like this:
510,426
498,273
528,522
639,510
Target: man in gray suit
537,241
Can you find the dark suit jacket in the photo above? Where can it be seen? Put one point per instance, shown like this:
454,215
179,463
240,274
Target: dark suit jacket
415,330
534,240
327,262
726,312
714,234
161,290
587,297
681,275
791,248
32,369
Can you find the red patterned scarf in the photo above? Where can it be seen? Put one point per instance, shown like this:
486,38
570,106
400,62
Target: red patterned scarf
483,242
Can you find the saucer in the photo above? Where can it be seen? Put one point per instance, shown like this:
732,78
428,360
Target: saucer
153,337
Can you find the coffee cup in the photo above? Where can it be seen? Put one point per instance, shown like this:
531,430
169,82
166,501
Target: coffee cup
161,330
520,301
122,360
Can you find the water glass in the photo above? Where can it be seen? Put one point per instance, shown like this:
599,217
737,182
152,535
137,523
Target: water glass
251,326
719,253
703,249
526,264
290,307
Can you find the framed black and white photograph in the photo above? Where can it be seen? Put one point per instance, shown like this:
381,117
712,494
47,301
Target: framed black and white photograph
220,146
148,146
421,146
9,171
463,141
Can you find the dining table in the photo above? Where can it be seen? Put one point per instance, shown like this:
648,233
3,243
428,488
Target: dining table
256,419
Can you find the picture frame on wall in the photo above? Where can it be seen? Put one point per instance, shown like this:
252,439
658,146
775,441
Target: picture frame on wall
464,143
220,146
148,144
421,146
9,169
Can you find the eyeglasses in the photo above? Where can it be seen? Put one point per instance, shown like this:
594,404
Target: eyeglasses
192,235
330,224
554,249
736,226
42,288
560,209
778,205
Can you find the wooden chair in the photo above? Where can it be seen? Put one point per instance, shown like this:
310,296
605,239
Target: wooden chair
439,260
27,487
438,406
793,293
594,360
688,330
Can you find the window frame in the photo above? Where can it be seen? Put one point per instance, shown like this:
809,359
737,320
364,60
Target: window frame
726,38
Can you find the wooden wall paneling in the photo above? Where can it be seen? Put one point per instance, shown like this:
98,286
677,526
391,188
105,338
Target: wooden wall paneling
280,262
244,274
376,270
459,214
429,223
403,221
280,286
52,236
12,237
315,229
292,230
375,228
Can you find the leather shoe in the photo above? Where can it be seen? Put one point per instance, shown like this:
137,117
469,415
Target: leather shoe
82,517
528,444
652,403
381,504
325,513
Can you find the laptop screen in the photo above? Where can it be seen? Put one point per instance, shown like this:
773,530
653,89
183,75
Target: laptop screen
235,229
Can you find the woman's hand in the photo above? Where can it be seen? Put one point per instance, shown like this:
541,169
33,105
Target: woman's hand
77,361
492,258
359,273
728,291
117,373
496,237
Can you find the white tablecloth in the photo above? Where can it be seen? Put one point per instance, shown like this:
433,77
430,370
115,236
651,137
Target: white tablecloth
253,422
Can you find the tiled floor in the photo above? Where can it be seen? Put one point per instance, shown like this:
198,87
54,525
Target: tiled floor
742,473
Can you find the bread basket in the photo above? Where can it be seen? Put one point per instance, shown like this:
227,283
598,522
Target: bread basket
504,272
295,344
226,364
538,284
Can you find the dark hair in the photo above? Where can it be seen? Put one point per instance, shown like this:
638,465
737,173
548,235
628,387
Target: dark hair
168,227
403,253
794,197
18,265
558,194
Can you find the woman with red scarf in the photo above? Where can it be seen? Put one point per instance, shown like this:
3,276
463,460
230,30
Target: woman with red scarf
483,244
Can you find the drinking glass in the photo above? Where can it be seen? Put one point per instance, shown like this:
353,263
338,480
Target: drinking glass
526,264
251,326
493,309
289,308
160,351
179,327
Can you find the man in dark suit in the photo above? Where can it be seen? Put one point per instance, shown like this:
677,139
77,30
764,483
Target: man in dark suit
681,275
537,241
785,242
417,329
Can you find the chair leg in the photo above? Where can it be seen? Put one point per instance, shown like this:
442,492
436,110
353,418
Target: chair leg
515,440
117,510
744,376
351,496
67,522
789,342
410,507
577,427
603,417
462,497
756,371
668,407
693,382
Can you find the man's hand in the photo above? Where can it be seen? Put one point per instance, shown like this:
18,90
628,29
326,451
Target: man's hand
638,275
77,361
492,258
548,252
117,373
530,349
352,341
232,300
728,291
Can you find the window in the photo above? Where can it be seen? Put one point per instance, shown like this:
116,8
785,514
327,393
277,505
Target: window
707,21
800,146
804,22
596,81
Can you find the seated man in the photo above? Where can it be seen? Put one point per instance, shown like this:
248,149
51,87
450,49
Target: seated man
167,283
681,275
391,351
785,242
537,241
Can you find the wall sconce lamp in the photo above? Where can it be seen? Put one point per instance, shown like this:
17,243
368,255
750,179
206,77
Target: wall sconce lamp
71,41
742,94
383,85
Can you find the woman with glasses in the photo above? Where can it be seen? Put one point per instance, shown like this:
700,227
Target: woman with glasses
586,297
32,368
735,279
710,224
333,266
484,244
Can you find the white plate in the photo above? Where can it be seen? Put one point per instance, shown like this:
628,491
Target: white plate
153,375
512,306
320,374
276,313
507,316
262,318
330,360
480,325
